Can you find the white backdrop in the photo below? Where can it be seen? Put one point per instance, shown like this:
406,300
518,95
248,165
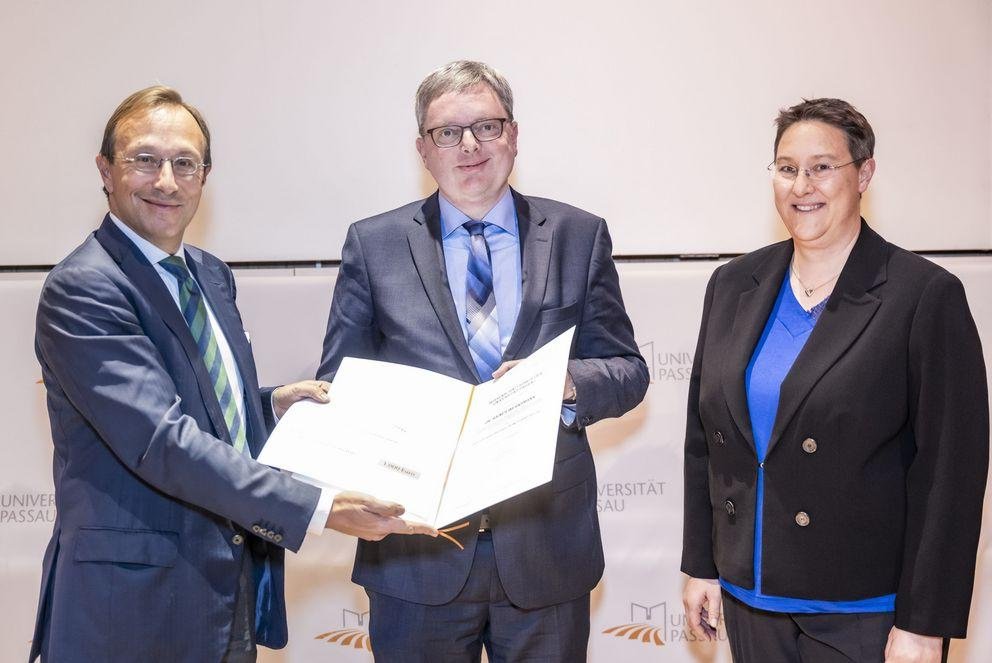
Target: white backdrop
638,457
656,114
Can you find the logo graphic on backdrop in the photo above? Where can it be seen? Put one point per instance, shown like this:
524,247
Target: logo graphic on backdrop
655,625
351,634
645,631
614,495
666,365
24,508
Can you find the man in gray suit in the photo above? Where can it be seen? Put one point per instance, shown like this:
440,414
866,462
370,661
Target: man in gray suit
168,545
465,283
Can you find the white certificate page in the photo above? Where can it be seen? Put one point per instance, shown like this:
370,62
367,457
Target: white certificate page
510,435
442,448
389,431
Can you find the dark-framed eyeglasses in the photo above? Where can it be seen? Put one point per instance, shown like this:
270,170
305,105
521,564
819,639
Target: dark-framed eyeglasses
149,163
483,131
818,172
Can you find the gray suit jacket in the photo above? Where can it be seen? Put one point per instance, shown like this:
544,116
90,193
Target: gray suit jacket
154,504
392,303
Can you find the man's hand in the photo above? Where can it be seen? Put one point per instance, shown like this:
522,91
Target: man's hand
357,514
286,395
906,647
567,394
703,606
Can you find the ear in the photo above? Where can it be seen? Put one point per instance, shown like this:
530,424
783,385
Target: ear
865,173
422,148
103,166
512,130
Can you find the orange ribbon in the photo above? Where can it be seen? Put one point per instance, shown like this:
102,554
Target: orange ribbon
444,533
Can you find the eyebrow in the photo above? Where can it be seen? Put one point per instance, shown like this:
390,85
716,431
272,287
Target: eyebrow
814,157
145,148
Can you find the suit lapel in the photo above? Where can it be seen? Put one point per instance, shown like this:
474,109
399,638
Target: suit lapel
428,256
214,287
137,268
535,259
850,307
753,308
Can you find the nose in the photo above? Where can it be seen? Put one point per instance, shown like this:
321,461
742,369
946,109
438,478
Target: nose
802,184
469,143
166,180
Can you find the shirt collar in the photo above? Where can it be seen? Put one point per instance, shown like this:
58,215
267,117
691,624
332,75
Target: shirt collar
503,215
154,254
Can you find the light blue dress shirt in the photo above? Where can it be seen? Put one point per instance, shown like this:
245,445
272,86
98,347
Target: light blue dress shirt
503,237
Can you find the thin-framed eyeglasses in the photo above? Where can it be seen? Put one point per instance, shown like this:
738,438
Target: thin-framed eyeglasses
816,172
149,163
483,131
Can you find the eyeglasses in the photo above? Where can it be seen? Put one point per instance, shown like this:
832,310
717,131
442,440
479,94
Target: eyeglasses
817,172
149,163
483,130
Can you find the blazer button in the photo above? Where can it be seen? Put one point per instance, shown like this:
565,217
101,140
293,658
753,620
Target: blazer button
809,445
237,539
277,538
802,519
256,529
718,439
729,506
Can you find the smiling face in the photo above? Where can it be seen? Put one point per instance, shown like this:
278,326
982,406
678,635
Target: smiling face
827,212
471,175
158,206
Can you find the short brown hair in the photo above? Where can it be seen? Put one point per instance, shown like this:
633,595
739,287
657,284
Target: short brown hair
142,100
837,113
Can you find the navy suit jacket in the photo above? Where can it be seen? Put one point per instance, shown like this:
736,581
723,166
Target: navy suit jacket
392,303
154,504
891,388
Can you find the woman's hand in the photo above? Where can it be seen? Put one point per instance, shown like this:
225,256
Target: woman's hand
703,606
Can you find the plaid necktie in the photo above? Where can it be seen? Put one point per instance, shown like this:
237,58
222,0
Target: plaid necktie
195,312
480,304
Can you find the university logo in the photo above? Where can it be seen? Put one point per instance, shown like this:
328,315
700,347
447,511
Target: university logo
353,636
666,366
643,631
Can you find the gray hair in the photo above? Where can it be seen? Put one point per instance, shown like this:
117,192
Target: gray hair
459,76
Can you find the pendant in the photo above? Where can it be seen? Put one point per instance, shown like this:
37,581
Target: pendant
809,291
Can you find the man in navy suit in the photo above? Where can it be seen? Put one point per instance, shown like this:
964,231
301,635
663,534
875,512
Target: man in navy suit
168,545
464,283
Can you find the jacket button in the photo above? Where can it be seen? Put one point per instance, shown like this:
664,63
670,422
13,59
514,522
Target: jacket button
256,529
277,538
802,519
729,506
809,445
718,439
237,539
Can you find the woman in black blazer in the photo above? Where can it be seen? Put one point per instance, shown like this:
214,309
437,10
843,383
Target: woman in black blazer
837,440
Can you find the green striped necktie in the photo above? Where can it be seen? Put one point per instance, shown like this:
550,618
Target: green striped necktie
195,312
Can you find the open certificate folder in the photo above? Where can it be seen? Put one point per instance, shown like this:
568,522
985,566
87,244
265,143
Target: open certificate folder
442,448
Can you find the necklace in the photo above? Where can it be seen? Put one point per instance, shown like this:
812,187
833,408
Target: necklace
809,291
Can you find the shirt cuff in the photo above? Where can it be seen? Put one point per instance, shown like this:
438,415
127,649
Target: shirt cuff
318,521
272,407
568,414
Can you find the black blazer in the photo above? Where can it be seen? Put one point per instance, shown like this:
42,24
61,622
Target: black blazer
876,467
